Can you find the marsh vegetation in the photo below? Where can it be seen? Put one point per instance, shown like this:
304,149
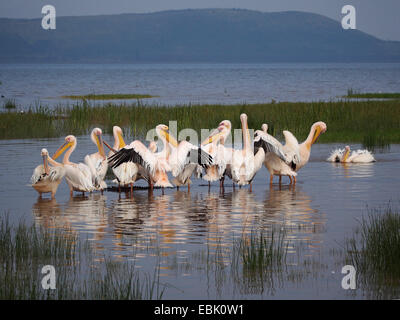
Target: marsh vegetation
368,122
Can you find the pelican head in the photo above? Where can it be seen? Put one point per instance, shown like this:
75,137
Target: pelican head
163,132
318,128
70,141
97,139
117,132
346,154
223,130
264,127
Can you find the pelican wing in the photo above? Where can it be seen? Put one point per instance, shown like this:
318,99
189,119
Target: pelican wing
291,149
56,173
137,153
79,176
38,174
269,144
187,153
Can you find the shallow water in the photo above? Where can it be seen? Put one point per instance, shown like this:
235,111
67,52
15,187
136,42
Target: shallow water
180,231
31,84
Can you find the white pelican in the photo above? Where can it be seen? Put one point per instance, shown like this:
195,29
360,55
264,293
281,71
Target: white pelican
153,165
305,148
246,163
47,178
343,155
282,161
97,162
185,159
78,175
128,172
214,144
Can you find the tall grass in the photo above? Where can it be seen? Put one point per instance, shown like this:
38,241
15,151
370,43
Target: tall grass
350,121
374,251
24,250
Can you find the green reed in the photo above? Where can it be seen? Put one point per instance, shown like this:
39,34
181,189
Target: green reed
348,121
374,251
24,250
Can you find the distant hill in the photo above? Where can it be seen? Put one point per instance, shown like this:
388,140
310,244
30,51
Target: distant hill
198,35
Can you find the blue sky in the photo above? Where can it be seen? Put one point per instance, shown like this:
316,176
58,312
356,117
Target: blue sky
378,18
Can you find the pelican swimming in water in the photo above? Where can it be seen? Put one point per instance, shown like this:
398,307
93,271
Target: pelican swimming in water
246,163
281,160
154,165
47,178
128,172
78,175
305,148
215,145
97,162
344,156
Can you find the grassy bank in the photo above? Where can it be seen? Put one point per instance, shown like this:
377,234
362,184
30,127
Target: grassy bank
24,250
369,122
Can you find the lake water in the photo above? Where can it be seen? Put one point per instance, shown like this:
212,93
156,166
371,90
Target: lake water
179,230
31,84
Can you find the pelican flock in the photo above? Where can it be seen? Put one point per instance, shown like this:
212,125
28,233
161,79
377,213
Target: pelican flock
181,160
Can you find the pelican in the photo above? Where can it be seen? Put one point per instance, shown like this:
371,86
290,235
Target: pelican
215,145
359,156
47,178
153,165
246,163
97,162
284,159
128,172
78,175
185,159
305,148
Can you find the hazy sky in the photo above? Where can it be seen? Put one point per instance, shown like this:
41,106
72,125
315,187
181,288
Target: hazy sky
378,18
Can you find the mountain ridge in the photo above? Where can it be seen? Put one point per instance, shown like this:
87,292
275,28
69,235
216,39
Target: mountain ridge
192,35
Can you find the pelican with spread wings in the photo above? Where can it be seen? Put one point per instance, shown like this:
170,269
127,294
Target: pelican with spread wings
280,160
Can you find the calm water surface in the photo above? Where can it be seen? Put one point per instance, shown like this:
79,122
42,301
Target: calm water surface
179,230
31,84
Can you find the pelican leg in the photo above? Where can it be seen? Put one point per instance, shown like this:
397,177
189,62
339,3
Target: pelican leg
294,180
188,187
162,190
291,181
119,188
177,188
209,185
271,178
251,186
131,188
83,193
280,179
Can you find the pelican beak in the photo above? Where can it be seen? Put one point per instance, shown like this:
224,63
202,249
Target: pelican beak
121,140
345,156
212,138
45,164
170,139
61,149
100,147
109,147
317,133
